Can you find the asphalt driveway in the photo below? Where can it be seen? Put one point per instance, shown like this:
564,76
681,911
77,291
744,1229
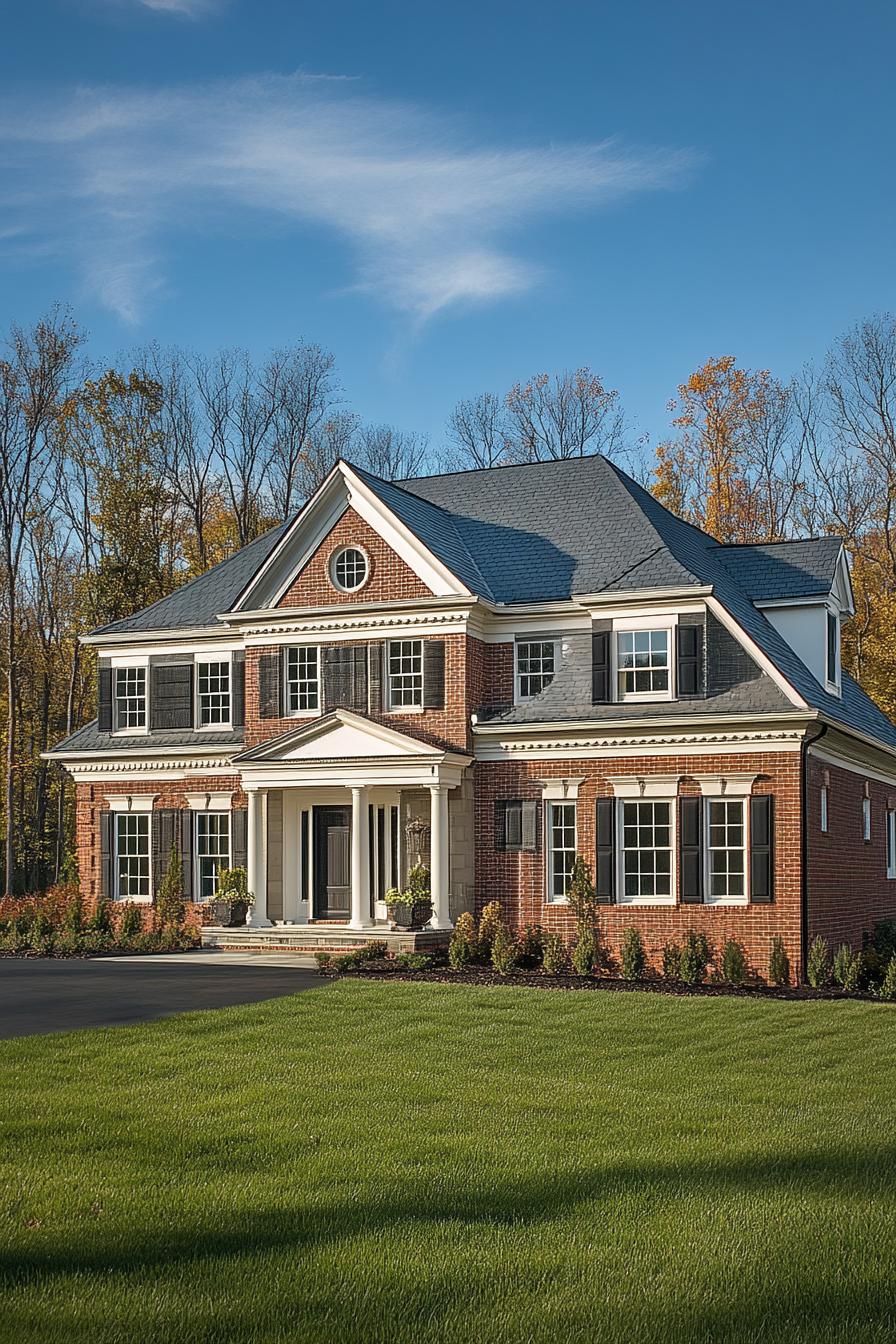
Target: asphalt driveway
40,996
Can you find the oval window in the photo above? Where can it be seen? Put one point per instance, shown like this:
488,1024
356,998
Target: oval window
348,569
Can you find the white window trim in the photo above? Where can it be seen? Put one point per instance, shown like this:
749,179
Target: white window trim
122,667
660,787
331,566
197,858
518,698
834,687
891,842
209,802
405,709
284,672
201,660
660,902
558,800
823,801
131,802
708,898
631,625
128,811
866,819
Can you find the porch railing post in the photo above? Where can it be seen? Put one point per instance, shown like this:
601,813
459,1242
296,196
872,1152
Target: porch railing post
438,856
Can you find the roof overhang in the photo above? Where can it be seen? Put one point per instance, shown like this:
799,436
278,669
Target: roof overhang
638,596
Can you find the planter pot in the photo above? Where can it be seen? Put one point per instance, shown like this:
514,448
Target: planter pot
406,916
230,914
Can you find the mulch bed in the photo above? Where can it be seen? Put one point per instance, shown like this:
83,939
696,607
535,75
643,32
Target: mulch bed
482,977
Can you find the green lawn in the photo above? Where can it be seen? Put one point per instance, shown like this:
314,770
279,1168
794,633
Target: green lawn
423,1162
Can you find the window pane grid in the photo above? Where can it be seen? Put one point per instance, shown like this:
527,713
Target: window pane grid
302,679
563,847
214,692
647,850
535,663
132,856
406,673
212,850
643,661
725,846
130,697
350,568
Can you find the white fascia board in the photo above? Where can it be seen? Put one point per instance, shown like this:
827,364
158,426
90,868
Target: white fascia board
366,772
690,594
843,581
156,641
762,659
148,754
406,544
856,751
341,610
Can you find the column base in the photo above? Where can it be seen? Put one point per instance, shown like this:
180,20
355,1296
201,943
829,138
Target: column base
258,922
440,925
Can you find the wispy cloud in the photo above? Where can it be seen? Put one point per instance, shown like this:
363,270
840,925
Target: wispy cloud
192,9
431,217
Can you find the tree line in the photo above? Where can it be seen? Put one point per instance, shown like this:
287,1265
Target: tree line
119,484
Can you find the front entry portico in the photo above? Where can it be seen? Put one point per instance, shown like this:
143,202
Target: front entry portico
329,807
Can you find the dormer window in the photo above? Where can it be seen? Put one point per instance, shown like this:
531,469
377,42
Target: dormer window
130,699
349,568
833,651
643,664
213,693
536,664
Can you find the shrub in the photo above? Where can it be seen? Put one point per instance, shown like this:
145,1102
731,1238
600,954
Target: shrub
818,963
68,943
148,940
695,957
130,925
504,950
671,961
372,951
530,947
323,960
734,962
888,984
413,961
873,966
778,963
462,948
489,923
581,894
584,953
843,964
883,939
101,919
632,955
345,961
73,915
170,910
555,957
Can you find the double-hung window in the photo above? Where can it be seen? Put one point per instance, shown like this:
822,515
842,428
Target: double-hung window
405,670
536,664
891,843
823,808
643,664
130,698
213,693
726,849
132,867
212,851
647,850
561,848
833,650
866,818
302,679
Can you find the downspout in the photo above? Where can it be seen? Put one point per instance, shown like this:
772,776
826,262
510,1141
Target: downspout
804,845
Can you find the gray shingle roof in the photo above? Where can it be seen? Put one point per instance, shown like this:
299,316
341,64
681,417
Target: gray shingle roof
784,568
89,738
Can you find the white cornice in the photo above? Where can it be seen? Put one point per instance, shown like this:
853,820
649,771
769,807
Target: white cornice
694,594
604,745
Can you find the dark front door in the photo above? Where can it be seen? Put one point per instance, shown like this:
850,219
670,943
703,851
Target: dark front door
332,862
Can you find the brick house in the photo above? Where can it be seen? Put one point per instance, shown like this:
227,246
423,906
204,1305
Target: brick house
494,671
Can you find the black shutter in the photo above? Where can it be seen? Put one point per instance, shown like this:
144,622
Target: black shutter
238,690
500,826
376,678
187,845
269,694
433,674
345,677
531,827
690,854
170,696
605,850
104,697
359,678
689,641
238,837
107,855
762,849
600,667
164,834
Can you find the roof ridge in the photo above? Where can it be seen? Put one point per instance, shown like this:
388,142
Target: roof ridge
503,466
782,541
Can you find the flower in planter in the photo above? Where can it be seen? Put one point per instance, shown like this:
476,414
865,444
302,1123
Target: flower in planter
412,907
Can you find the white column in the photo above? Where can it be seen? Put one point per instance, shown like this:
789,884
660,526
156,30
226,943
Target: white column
360,861
256,858
438,856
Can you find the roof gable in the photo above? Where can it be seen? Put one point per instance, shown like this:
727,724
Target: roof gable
340,735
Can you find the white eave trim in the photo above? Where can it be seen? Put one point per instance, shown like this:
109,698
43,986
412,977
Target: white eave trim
639,596
182,634
654,724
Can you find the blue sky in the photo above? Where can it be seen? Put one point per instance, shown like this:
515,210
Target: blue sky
453,197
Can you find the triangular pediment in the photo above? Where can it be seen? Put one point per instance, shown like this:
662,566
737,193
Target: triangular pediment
341,735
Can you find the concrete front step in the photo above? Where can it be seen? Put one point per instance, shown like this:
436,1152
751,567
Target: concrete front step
306,939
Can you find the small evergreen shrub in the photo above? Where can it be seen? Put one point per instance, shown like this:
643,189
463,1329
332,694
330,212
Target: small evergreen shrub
170,909
633,956
555,958
883,939
818,963
372,951
489,922
778,963
130,925
73,915
671,961
101,919
323,960
530,947
843,958
695,957
462,948
734,962
413,961
887,989
581,894
504,950
584,953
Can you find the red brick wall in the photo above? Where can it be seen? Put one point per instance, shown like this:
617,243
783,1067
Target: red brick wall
848,884
92,799
489,675
390,578
518,880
